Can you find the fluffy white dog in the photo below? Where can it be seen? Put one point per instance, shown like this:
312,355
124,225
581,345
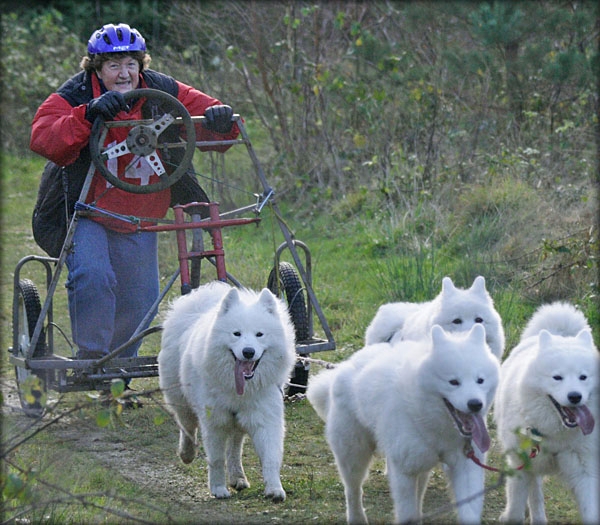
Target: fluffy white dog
225,356
454,309
418,403
549,389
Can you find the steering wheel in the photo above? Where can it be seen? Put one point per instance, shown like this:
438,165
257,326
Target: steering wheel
144,140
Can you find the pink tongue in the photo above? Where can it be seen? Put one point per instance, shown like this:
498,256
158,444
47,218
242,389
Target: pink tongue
239,377
584,418
242,367
479,433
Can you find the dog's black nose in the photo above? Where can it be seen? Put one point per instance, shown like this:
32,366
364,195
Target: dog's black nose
474,405
574,397
248,352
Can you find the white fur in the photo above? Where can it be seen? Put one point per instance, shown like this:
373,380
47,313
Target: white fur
454,309
203,331
391,401
555,357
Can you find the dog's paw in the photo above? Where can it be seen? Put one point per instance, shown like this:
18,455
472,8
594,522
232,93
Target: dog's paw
276,495
187,449
187,455
240,483
220,492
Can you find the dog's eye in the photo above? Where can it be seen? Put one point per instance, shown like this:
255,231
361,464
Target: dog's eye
582,377
478,320
454,382
237,334
557,378
457,321
480,381
259,334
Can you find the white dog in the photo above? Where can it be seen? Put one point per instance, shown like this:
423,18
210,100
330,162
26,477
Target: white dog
454,309
417,403
226,354
549,389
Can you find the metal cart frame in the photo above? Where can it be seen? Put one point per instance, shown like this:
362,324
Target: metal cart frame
32,352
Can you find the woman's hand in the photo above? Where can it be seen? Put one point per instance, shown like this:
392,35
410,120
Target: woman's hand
107,105
218,118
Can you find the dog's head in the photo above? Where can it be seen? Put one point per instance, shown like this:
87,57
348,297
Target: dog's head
461,309
465,377
257,332
566,369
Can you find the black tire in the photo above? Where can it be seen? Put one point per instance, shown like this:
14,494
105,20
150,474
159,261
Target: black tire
29,306
195,272
299,379
290,286
177,109
197,246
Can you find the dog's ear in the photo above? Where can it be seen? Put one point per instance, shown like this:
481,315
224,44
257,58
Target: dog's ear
478,285
544,338
477,334
267,299
231,298
447,286
438,336
585,336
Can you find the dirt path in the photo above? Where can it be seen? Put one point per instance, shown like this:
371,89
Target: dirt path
160,476
142,454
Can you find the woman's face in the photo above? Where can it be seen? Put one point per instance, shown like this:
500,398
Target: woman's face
120,74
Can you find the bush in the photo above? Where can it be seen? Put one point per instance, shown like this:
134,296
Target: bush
39,54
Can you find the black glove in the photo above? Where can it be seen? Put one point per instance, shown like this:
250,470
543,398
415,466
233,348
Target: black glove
218,118
106,105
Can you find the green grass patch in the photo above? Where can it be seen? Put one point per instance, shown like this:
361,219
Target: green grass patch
363,253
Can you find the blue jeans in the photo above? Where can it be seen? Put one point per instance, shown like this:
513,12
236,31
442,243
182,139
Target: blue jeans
112,284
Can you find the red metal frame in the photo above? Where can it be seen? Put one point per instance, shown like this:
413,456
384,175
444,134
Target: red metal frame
214,224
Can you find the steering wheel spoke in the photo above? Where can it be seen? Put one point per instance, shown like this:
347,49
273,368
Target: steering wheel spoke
117,150
168,157
156,164
163,123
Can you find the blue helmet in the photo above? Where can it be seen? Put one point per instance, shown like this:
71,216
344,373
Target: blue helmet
119,38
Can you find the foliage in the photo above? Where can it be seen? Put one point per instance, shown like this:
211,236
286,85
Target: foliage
371,98
425,119
406,141
397,97
38,56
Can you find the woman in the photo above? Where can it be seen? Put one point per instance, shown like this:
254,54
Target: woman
113,270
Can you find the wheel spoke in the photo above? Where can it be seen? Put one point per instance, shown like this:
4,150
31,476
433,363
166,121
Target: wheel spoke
162,123
118,150
156,164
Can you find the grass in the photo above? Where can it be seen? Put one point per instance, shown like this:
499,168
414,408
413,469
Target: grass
75,471
132,468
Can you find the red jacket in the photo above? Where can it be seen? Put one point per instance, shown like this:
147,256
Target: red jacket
60,132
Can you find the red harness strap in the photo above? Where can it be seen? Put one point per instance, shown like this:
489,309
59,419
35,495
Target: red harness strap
470,453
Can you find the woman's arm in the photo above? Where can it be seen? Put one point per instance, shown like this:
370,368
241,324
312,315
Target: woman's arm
59,131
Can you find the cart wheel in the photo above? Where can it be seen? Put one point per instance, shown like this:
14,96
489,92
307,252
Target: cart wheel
195,268
290,284
32,387
144,140
299,379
